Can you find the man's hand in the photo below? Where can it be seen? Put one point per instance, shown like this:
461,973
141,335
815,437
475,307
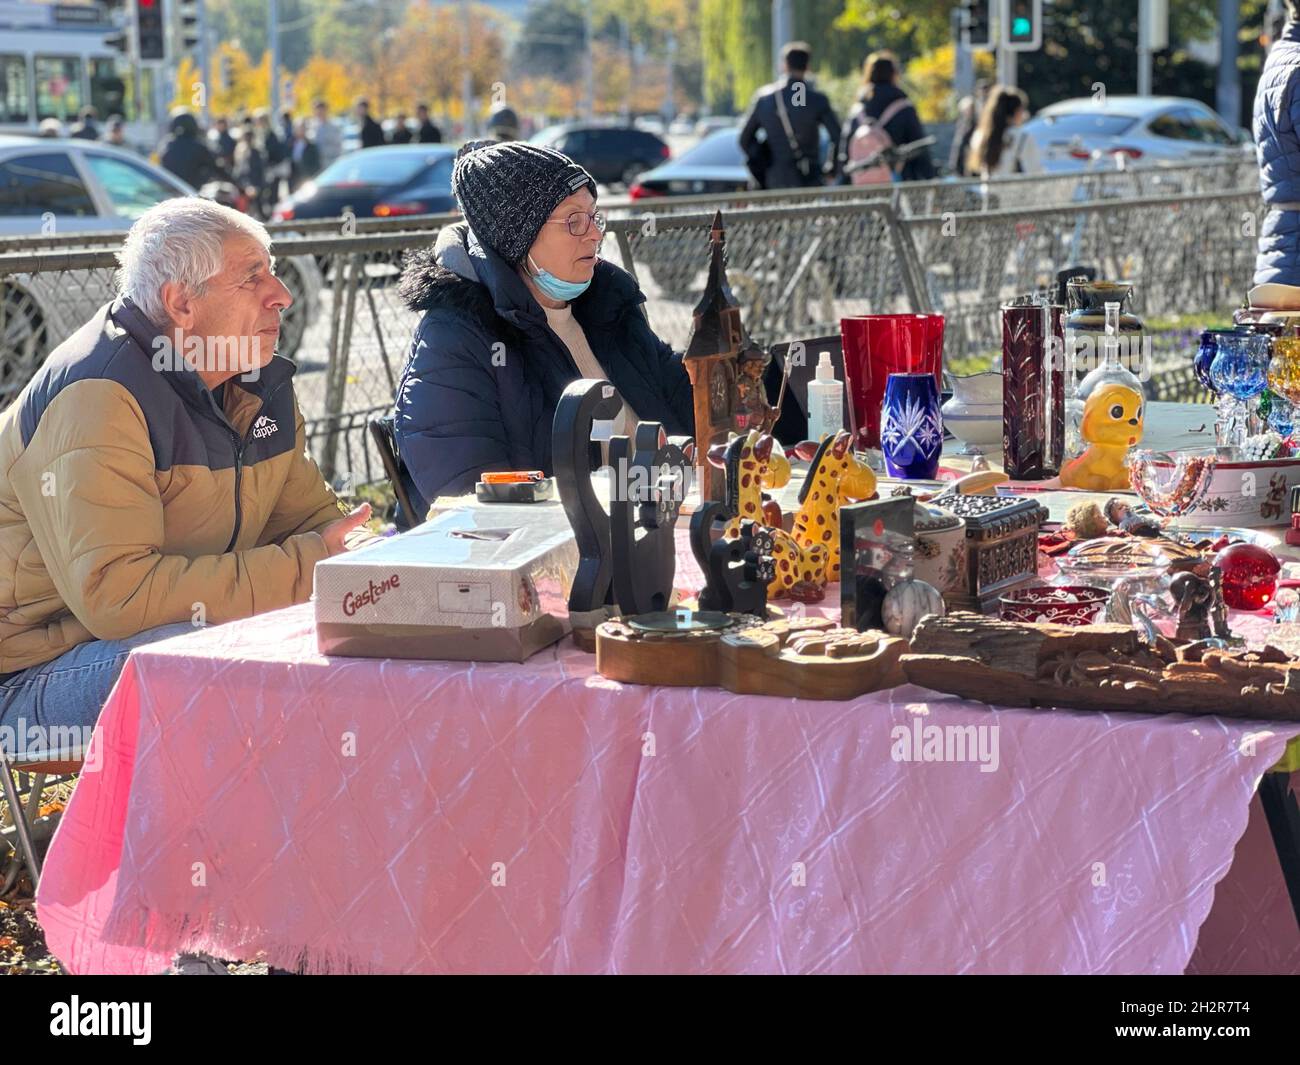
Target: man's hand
335,531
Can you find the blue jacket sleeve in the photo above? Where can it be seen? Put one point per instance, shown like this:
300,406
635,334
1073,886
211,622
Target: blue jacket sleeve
448,416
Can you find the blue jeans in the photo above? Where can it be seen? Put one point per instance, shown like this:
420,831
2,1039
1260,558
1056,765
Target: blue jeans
50,710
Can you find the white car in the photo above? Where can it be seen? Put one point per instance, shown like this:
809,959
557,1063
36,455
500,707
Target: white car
1074,134
82,194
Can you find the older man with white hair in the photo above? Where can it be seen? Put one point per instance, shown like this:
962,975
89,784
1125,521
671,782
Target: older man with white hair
153,474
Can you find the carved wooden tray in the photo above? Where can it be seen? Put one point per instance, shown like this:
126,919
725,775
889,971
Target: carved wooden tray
1099,667
801,658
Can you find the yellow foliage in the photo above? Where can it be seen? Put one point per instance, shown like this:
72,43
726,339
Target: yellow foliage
325,79
928,80
420,61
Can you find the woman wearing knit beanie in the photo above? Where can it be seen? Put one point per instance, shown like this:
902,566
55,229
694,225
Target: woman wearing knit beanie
517,304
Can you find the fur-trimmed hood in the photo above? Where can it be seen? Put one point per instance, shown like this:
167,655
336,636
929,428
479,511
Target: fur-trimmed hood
458,273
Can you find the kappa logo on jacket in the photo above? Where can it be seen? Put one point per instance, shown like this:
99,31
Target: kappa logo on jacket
264,427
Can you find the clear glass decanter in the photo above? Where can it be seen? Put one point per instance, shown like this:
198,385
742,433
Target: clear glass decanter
1110,370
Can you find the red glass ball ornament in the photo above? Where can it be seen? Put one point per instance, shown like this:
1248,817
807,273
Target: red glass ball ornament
1249,576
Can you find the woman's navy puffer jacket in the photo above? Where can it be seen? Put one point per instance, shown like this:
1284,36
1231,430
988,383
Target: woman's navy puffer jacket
486,372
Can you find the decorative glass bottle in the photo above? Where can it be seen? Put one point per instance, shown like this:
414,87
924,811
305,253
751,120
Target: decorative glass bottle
1085,327
1110,370
1112,403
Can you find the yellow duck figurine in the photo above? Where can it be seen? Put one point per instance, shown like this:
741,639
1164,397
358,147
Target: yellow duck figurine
1112,423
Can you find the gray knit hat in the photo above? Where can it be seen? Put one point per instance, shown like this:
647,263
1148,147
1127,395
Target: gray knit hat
508,190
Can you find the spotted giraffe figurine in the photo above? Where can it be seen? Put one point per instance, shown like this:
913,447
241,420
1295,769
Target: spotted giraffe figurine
835,476
751,463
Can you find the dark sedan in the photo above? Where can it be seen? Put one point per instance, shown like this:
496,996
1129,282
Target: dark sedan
714,165
377,183
611,154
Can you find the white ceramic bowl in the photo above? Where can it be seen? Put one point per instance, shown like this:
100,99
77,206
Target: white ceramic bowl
982,427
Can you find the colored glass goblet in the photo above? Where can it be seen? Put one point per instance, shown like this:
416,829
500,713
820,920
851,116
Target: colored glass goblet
1239,373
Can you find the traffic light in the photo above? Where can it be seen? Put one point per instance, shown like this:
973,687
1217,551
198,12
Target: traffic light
979,24
150,33
1022,27
189,12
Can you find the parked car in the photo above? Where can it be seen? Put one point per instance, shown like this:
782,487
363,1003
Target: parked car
1147,129
85,194
713,123
83,186
403,179
714,165
611,154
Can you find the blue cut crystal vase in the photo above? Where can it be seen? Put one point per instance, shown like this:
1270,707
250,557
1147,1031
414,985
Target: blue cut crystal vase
911,427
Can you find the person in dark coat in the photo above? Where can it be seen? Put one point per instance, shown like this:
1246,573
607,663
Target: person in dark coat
879,90
427,133
222,143
503,124
517,304
184,154
249,169
807,110
401,131
1277,146
86,130
304,158
372,133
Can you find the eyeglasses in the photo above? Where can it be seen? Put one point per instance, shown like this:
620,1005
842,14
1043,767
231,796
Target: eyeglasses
580,221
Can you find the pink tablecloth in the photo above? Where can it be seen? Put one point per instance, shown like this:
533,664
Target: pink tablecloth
352,814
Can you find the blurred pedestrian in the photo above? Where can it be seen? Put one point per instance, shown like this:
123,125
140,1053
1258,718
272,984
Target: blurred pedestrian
184,153
86,130
286,126
426,132
1277,146
249,171
304,158
51,128
275,157
969,109
401,131
372,133
503,125
222,143
881,99
325,133
115,132
790,113
999,147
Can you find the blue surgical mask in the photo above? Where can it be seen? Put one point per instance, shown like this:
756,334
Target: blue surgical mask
556,288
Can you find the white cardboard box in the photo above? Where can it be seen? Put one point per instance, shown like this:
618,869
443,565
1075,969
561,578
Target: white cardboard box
488,583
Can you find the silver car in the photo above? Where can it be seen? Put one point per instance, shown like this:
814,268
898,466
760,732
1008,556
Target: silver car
82,194
1074,134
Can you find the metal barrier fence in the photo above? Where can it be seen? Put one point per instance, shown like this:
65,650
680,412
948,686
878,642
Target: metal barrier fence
907,199
797,270
934,197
